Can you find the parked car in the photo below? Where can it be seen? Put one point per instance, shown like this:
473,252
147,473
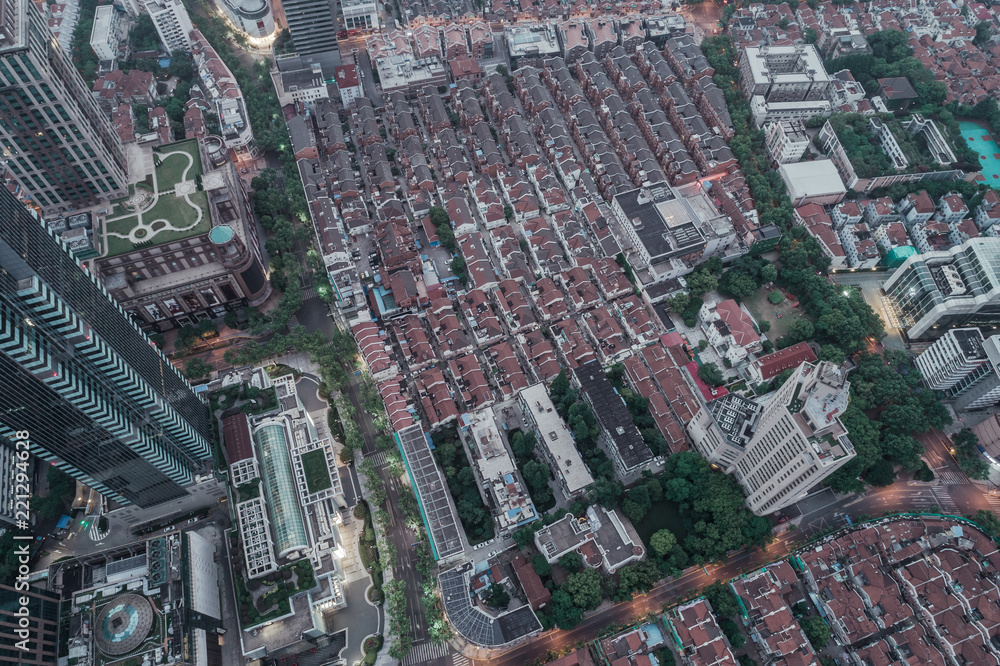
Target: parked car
170,528
193,520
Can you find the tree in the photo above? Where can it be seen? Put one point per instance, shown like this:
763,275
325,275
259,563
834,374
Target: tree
606,492
967,455
710,374
832,353
498,596
983,33
638,577
988,521
523,536
801,329
817,631
571,561
633,511
585,587
196,369
662,542
700,282
881,473
541,565
775,297
536,474
565,614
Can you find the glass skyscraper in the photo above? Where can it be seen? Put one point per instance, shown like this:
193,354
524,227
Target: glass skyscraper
99,400
959,287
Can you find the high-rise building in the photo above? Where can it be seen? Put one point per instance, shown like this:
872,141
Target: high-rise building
955,354
981,386
312,26
934,291
42,624
98,399
54,139
172,23
781,448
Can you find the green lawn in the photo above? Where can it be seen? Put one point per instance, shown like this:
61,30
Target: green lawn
179,213
764,310
171,168
317,473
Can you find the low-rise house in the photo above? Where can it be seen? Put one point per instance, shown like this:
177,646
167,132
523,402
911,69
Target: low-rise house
605,539
729,329
767,367
859,246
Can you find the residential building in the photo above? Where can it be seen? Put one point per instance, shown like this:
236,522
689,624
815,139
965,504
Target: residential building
253,17
220,86
859,246
618,432
952,208
780,449
106,406
890,236
59,146
349,84
916,208
172,23
729,329
786,141
951,358
497,471
988,211
115,88
312,26
556,439
814,218
784,73
846,212
765,112
603,538
402,72
106,35
359,14
698,635
767,367
304,85
890,146
201,273
935,291
531,43
538,595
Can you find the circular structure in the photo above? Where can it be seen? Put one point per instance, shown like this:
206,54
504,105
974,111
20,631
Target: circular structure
221,234
124,624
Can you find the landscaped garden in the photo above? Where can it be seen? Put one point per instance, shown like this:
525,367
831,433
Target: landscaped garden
763,309
170,168
266,598
316,471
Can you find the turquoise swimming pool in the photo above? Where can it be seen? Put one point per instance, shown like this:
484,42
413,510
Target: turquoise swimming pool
980,140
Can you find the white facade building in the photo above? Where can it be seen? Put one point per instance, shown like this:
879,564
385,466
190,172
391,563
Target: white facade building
360,14
556,440
172,23
786,141
106,35
955,354
781,449
254,18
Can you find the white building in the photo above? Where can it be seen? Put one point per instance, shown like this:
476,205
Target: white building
780,449
360,14
813,182
304,85
955,354
764,111
889,144
981,387
917,208
172,23
892,235
988,212
784,73
254,18
952,208
729,329
786,141
106,35
556,440
859,246
603,538
349,84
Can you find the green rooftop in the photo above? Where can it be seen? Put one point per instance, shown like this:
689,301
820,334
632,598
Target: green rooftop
167,206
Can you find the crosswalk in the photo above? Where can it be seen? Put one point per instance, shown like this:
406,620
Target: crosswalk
424,652
994,501
944,501
459,659
378,458
950,477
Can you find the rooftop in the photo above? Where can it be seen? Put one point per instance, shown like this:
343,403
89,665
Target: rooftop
614,416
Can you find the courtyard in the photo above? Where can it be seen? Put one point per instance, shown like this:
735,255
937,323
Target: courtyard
763,310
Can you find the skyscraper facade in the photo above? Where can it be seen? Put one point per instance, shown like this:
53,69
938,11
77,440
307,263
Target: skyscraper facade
312,26
98,399
54,138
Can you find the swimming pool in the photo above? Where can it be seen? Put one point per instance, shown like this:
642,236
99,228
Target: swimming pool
980,140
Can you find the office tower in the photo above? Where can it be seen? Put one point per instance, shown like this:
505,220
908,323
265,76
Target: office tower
955,354
172,23
252,17
96,396
55,140
981,386
780,449
934,291
43,626
312,26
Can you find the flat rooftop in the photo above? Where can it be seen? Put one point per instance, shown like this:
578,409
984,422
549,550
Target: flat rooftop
614,416
431,491
555,436
665,225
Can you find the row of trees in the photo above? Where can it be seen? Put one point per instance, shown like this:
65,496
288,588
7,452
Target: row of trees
534,470
583,424
891,56
450,455
765,184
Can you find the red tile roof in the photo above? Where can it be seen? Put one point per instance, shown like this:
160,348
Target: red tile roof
790,357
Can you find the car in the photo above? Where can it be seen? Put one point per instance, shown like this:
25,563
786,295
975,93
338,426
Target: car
783,519
342,34
170,528
193,520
